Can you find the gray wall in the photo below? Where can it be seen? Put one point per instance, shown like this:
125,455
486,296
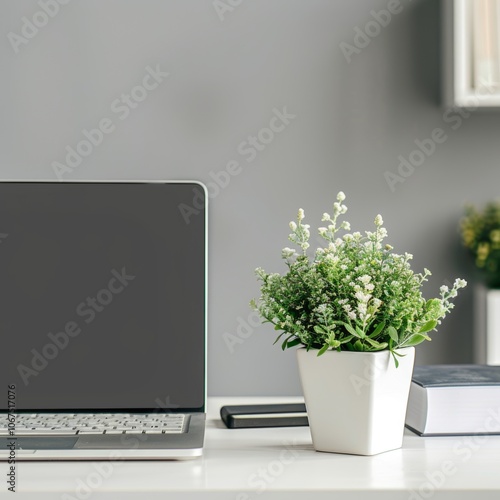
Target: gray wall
352,122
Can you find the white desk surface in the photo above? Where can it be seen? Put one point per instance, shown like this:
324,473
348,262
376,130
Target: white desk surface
277,463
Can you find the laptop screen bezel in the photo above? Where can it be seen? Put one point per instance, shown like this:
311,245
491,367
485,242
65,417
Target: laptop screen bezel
157,408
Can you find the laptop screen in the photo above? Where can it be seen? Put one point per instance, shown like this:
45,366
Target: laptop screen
102,295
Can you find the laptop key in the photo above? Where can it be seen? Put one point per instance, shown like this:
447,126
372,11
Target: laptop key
35,432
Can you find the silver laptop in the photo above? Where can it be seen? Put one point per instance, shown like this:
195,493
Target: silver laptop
102,320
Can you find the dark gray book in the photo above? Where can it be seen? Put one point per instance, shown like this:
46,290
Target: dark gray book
456,375
454,400
264,415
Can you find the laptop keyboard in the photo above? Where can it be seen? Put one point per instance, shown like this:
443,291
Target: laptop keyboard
98,423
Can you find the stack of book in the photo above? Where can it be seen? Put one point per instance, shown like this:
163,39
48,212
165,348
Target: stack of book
454,400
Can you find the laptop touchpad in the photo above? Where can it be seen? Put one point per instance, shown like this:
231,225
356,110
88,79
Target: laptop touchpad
125,441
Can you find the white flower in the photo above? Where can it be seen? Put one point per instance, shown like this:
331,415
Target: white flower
332,258
293,226
352,315
378,220
341,196
300,215
345,225
362,297
365,279
287,252
321,308
459,283
325,217
444,289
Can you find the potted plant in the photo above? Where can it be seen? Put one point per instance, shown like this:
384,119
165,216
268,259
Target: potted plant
480,231
357,311
481,236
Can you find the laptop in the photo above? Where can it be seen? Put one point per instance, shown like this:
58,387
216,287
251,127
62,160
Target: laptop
103,299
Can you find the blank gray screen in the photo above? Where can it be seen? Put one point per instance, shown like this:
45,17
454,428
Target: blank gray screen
102,295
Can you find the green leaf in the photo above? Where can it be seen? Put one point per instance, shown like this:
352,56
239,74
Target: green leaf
346,339
415,339
358,346
319,329
323,349
393,333
377,330
278,337
377,345
395,353
284,345
430,325
396,362
351,330
361,333
293,343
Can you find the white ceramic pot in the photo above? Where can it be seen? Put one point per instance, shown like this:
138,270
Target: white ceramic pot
487,325
356,401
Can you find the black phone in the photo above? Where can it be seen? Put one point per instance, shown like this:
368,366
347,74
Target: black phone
264,415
